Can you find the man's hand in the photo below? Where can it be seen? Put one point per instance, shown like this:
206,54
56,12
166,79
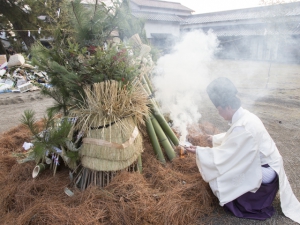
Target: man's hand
191,149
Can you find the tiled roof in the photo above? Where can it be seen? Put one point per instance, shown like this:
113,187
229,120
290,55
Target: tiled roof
288,9
162,4
248,31
157,16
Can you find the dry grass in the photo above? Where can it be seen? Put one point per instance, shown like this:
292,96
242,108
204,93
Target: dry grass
170,194
108,102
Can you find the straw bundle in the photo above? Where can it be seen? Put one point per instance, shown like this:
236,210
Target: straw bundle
109,118
113,148
109,102
135,41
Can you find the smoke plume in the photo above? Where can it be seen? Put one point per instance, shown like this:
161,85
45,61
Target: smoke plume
182,75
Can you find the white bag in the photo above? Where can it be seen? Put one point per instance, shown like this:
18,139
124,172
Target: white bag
16,60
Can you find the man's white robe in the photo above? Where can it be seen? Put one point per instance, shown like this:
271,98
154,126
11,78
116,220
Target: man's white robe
233,166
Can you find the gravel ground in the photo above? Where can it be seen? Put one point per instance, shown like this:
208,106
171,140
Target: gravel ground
13,105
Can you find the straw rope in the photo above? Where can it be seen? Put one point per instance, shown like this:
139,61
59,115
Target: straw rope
114,134
113,145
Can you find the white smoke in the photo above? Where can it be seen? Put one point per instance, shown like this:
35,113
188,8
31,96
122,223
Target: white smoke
182,75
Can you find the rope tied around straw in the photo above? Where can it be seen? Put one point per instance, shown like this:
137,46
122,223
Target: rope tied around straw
124,145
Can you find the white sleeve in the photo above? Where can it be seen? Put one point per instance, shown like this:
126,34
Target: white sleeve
237,151
217,139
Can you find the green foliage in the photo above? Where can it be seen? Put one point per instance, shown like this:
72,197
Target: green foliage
82,52
71,68
55,133
29,120
22,15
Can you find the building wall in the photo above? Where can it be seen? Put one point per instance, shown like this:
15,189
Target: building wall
162,28
281,48
134,6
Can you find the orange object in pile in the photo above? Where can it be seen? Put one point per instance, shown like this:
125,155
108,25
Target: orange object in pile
181,152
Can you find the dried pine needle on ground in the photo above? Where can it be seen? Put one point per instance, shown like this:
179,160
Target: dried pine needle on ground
170,194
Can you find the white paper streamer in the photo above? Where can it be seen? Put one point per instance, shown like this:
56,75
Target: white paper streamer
27,146
58,12
29,33
56,160
57,149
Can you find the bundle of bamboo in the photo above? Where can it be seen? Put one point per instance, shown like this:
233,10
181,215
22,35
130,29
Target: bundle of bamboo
158,129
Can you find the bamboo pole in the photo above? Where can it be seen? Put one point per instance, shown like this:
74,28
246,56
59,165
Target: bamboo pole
163,139
140,164
166,128
148,82
154,141
163,123
146,85
83,178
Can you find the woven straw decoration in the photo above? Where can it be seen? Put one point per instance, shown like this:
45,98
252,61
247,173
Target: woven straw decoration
108,158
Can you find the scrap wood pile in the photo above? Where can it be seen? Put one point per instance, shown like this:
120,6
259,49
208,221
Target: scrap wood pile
163,194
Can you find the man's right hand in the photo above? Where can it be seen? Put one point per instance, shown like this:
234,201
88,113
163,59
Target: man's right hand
191,149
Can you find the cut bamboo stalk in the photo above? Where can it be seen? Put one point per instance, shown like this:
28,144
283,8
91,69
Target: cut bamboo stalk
140,164
112,175
38,169
166,128
154,141
86,174
55,168
146,85
95,178
88,178
101,178
163,139
107,176
98,179
148,82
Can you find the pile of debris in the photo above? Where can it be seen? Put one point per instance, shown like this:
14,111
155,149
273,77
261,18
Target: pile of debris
18,76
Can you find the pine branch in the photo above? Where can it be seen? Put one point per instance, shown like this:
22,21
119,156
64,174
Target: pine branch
29,120
95,9
75,14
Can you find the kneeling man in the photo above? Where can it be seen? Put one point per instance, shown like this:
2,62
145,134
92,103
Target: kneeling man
244,167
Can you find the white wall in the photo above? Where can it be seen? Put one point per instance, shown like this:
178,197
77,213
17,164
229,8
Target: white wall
159,27
134,6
